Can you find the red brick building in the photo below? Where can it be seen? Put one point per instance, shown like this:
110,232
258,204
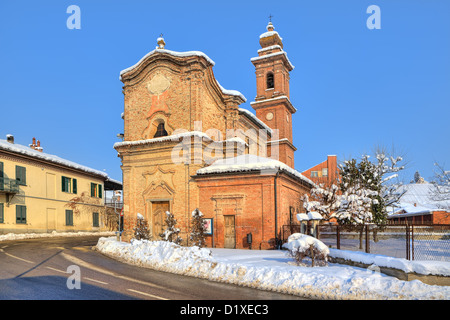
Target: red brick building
187,145
325,172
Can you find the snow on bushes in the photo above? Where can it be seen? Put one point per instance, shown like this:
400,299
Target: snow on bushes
301,245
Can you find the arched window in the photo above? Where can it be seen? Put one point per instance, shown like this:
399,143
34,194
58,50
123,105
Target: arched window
270,82
160,131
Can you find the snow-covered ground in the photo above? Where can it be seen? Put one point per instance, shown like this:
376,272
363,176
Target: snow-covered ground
19,236
275,270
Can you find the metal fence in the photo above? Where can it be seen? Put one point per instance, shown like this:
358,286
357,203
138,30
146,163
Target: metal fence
412,242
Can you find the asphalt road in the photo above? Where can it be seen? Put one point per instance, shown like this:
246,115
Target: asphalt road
69,269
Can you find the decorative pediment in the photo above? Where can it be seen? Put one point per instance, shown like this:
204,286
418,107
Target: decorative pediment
159,181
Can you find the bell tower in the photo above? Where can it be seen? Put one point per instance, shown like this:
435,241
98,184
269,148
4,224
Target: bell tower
272,104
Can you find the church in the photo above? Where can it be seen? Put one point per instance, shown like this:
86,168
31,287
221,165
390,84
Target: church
189,145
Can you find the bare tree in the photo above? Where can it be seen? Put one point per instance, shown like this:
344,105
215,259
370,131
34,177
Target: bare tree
85,204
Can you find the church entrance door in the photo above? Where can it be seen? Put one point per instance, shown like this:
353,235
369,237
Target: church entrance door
159,209
230,233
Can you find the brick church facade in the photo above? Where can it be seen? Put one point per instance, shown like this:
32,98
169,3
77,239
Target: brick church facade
188,144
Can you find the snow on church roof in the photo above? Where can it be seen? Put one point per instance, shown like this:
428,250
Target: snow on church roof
255,118
273,55
173,137
173,53
248,162
184,54
27,151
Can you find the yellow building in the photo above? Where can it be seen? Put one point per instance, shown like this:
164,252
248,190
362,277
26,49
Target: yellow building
40,192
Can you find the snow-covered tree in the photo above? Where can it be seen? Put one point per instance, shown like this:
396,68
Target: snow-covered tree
171,232
198,229
323,199
441,186
141,231
358,192
389,194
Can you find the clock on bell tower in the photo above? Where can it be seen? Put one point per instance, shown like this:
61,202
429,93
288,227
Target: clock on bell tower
272,104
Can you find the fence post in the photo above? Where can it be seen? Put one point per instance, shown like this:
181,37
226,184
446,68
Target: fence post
412,241
338,237
367,239
407,242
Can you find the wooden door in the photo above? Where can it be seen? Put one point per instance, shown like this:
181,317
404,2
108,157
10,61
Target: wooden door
230,233
159,209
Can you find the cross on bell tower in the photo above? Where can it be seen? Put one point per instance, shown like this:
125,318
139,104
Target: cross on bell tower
272,104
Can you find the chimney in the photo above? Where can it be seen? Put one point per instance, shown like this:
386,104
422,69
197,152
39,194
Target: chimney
39,148
36,146
10,138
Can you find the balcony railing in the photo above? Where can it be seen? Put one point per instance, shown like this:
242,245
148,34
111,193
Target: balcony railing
9,185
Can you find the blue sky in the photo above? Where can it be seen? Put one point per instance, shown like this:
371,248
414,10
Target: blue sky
354,88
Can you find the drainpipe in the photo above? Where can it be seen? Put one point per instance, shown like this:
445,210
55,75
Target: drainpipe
276,208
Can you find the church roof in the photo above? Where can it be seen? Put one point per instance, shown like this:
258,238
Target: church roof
161,50
170,52
248,162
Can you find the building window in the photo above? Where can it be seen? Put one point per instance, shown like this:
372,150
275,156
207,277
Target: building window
95,219
314,174
324,172
21,214
69,218
21,175
96,190
2,213
2,181
160,131
68,185
270,81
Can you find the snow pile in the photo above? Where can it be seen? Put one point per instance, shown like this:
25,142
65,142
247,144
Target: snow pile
258,269
420,267
17,236
159,255
302,242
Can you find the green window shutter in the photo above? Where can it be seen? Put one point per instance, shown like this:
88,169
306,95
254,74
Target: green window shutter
100,191
21,175
74,185
63,184
21,214
2,216
95,220
18,214
69,218
93,189
2,181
